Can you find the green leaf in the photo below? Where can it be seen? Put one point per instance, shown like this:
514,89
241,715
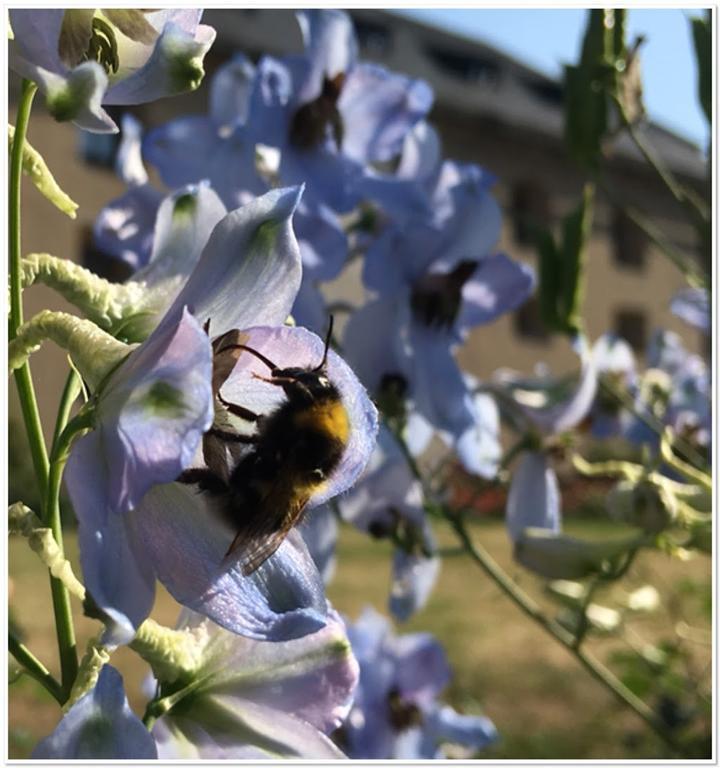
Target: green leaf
549,284
702,38
35,167
576,231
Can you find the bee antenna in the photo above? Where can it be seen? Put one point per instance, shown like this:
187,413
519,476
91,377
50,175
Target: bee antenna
328,336
252,351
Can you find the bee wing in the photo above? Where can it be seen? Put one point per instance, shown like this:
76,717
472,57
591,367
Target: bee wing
261,536
225,355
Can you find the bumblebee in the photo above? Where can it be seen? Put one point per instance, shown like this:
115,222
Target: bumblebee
289,456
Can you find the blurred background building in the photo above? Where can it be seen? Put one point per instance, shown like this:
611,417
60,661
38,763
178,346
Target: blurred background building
489,109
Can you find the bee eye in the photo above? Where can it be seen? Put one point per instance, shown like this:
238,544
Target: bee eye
323,381
318,475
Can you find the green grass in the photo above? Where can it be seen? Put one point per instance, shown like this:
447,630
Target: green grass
543,703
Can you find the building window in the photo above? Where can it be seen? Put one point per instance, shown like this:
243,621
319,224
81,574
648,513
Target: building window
529,323
530,211
375,39
629,241
469,68
101,263
631,325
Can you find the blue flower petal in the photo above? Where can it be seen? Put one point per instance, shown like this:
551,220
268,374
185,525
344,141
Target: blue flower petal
125,227
320,533
99,726
330,47
498,285
150,417
173,66
447,725
189,149
534,498
378,109
230,91
187,541
250,270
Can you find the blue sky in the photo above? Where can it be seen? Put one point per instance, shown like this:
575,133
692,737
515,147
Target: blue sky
545,39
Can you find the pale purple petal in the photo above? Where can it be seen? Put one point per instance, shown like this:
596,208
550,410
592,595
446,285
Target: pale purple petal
330,47
128,163
372,342
99,726
534,498
423,671
116,571
312,678
230,91
478,448
149,419
323,242
185,220
320,533
125,227
439,389
187,540
498,285
36,34
570,411
173,66
447,725
251,732
249,271
414,577
378,109
189,149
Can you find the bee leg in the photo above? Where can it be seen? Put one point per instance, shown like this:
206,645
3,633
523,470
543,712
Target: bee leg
207,480
284,382
231,437
238,410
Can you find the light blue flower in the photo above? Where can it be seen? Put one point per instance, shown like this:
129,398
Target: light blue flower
396,714
534,497
83,58
548,407
330,115
222,148
250,699
149,420
135,524
99,726
219,147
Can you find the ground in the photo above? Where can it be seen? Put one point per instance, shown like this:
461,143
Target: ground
542,701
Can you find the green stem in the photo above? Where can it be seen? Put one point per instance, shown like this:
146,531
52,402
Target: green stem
60,596
35,668
526,604
23,378
73,387
681,445
531,609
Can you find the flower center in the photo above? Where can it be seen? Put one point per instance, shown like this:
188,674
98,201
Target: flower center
402,714
436,298
310,122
